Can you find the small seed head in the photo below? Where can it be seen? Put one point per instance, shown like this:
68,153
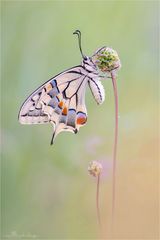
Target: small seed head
95,168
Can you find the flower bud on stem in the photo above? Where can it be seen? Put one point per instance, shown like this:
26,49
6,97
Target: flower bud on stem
95,169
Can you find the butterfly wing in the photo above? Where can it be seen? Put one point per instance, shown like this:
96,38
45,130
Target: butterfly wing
60,101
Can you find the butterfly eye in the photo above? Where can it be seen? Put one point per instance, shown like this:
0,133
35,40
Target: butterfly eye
85,58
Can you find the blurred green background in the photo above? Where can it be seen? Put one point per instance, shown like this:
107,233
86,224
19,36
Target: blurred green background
46,191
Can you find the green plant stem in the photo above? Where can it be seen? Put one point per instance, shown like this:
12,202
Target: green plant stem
97,201
115,144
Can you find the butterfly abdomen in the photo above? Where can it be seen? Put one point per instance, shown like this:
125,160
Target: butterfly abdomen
97,90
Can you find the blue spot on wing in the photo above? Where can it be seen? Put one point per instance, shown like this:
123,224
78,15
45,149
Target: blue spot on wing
52,93
71,118
53,83
53,102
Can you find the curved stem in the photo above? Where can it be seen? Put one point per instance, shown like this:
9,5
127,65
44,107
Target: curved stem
97,200
115,143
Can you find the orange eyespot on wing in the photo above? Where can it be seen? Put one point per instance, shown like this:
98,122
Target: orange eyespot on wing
65,111
81,118
61,104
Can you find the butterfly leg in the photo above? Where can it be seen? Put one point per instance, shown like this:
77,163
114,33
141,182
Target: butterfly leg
105,76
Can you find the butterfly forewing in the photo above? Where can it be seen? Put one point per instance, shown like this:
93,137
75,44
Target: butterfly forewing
61,101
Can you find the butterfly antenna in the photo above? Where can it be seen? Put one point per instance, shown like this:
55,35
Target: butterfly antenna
79,40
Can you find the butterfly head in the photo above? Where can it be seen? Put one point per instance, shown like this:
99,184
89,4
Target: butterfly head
106,59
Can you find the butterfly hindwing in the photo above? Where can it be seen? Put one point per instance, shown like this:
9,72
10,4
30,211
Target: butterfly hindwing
70,113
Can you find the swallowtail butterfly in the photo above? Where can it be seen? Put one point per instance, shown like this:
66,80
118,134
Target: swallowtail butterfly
61,100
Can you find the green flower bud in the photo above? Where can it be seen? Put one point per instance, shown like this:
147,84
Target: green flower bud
106,59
